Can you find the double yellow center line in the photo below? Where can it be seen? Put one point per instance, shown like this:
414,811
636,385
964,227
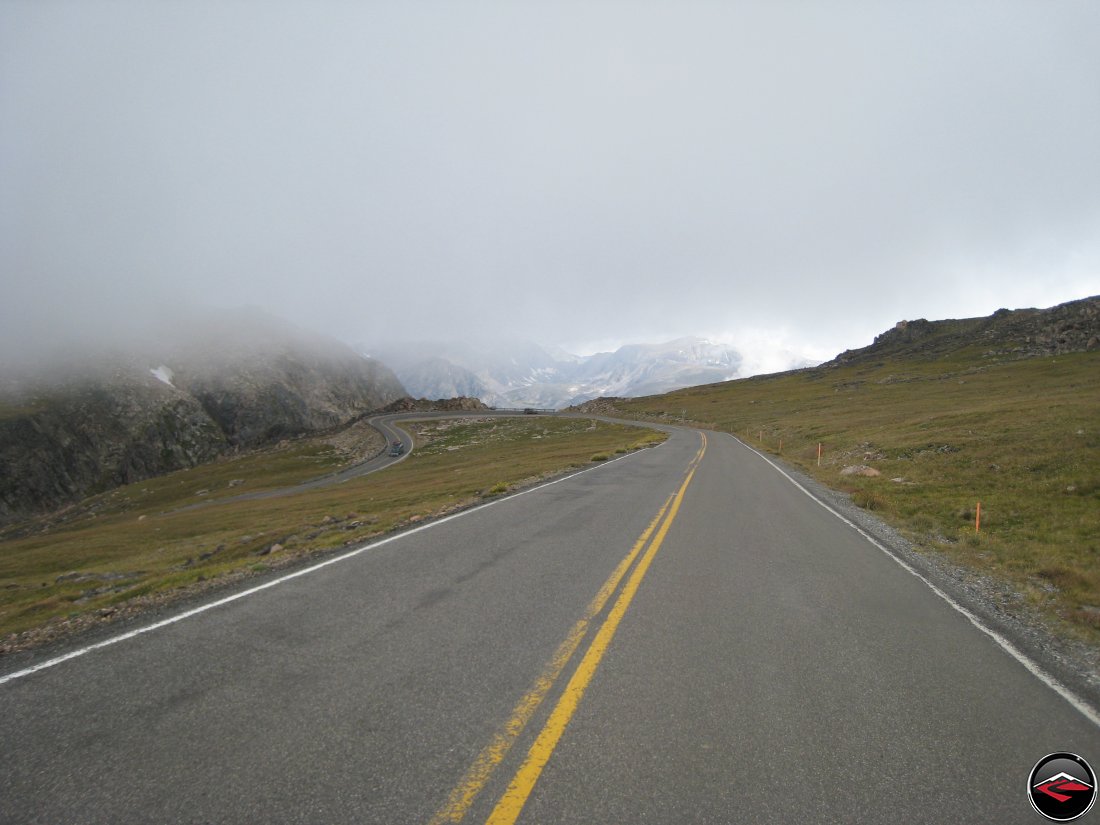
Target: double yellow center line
513,800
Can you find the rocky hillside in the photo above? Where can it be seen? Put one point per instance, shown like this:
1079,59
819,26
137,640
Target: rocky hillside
460,404
101,421
1020,333
436,377
259,380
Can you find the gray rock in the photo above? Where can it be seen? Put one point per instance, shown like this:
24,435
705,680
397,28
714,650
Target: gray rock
860,470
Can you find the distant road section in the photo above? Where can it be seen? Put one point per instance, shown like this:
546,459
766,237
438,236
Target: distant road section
386,425
679,635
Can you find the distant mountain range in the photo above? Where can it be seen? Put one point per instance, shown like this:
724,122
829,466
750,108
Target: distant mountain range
524,374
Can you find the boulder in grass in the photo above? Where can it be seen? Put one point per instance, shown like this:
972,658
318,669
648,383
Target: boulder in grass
860,470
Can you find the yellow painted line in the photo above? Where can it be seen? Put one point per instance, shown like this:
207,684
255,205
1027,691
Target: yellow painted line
466,791
511,804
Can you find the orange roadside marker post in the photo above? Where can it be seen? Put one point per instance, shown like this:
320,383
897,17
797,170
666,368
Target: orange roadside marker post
978,518
819,454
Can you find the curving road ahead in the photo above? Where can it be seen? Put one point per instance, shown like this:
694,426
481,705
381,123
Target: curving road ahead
388,426
681,635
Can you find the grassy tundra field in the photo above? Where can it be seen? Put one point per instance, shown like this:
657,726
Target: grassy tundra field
120,552
1022,437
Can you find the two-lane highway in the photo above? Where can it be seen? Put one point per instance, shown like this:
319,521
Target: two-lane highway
679,636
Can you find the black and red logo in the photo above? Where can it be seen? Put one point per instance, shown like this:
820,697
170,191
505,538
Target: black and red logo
1062,787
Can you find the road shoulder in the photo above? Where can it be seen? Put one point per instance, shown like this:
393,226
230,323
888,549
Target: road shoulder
995,604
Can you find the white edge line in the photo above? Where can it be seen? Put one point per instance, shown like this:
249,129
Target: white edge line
73,654
1080,704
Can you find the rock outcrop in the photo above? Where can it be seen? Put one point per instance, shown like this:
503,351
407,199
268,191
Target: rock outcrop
1020,333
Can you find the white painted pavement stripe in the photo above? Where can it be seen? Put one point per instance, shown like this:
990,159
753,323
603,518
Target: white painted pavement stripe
311,569
1080,704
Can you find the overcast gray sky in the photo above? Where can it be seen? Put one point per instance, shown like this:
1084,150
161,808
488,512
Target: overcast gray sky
584,174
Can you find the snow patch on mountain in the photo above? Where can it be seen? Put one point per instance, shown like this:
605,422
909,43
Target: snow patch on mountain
163,374
524,374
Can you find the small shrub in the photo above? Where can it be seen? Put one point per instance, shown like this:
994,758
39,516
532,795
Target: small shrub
600,457
497,489
870,500
923,523
1062,577
1088,616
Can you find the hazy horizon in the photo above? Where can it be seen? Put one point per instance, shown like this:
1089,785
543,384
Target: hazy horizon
159,330
776,176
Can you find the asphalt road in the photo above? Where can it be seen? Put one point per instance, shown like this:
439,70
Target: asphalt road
757,660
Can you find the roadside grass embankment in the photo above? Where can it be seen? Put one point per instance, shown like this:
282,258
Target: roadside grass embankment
1021,437
134,547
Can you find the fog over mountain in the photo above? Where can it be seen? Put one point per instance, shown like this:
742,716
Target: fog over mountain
523,374
144,407
583,174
